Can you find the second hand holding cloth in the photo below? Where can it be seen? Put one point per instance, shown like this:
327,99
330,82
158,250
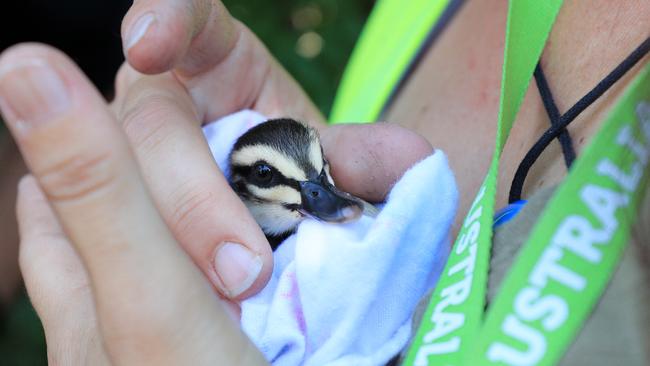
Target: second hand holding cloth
344,294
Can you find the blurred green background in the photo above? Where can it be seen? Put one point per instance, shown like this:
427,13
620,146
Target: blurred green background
311,38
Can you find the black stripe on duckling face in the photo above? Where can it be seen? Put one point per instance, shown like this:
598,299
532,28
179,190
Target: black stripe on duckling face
263,182
272,198
290,146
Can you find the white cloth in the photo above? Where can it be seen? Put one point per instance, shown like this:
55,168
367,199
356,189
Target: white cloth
343,294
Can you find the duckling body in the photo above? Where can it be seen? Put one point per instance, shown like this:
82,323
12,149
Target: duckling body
279,171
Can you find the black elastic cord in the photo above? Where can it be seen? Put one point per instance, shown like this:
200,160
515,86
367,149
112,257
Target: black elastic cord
554,116
553,132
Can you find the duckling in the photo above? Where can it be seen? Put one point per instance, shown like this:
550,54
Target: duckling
279,171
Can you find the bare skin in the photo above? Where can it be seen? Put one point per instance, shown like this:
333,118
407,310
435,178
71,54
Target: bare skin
456,88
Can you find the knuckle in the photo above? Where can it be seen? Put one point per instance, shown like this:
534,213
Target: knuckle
144,122
78,177
190,207
152,109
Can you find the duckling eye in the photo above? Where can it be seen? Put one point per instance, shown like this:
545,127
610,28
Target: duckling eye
262,174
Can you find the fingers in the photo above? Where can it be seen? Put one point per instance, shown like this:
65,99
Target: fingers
57,284
194,198
220,61
147,293
189,35
42,239
380,152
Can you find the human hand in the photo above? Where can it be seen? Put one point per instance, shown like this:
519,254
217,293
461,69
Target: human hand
151,303
225,68
137,285
222,63
161,115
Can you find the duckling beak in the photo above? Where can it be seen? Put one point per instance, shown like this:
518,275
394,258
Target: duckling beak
323,201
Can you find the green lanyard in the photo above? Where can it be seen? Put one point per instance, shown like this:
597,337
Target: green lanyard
565,265
392,36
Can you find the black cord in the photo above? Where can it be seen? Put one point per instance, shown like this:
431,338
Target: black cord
564,120
554,115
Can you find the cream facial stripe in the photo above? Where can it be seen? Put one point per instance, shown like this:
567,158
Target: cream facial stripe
249,155
315,154
280,193
328,174
274,219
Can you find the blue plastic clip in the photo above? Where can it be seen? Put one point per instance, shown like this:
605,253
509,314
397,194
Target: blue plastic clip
507,213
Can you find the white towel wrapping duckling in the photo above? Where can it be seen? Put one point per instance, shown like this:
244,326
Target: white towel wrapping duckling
344,294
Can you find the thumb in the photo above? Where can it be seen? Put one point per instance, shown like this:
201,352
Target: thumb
367,159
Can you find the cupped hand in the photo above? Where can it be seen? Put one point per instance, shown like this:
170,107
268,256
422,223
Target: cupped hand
224,68
95,212
222,63
209,65
125,201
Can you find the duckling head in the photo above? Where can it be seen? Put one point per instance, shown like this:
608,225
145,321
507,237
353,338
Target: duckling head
279,171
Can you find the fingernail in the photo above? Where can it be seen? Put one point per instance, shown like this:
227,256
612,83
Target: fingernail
139,29
237,268
31,92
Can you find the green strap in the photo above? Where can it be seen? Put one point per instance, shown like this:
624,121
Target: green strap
455,310
573,249
393,34
564,267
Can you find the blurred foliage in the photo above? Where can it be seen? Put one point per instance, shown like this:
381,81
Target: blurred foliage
312,39
22,341
280,25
